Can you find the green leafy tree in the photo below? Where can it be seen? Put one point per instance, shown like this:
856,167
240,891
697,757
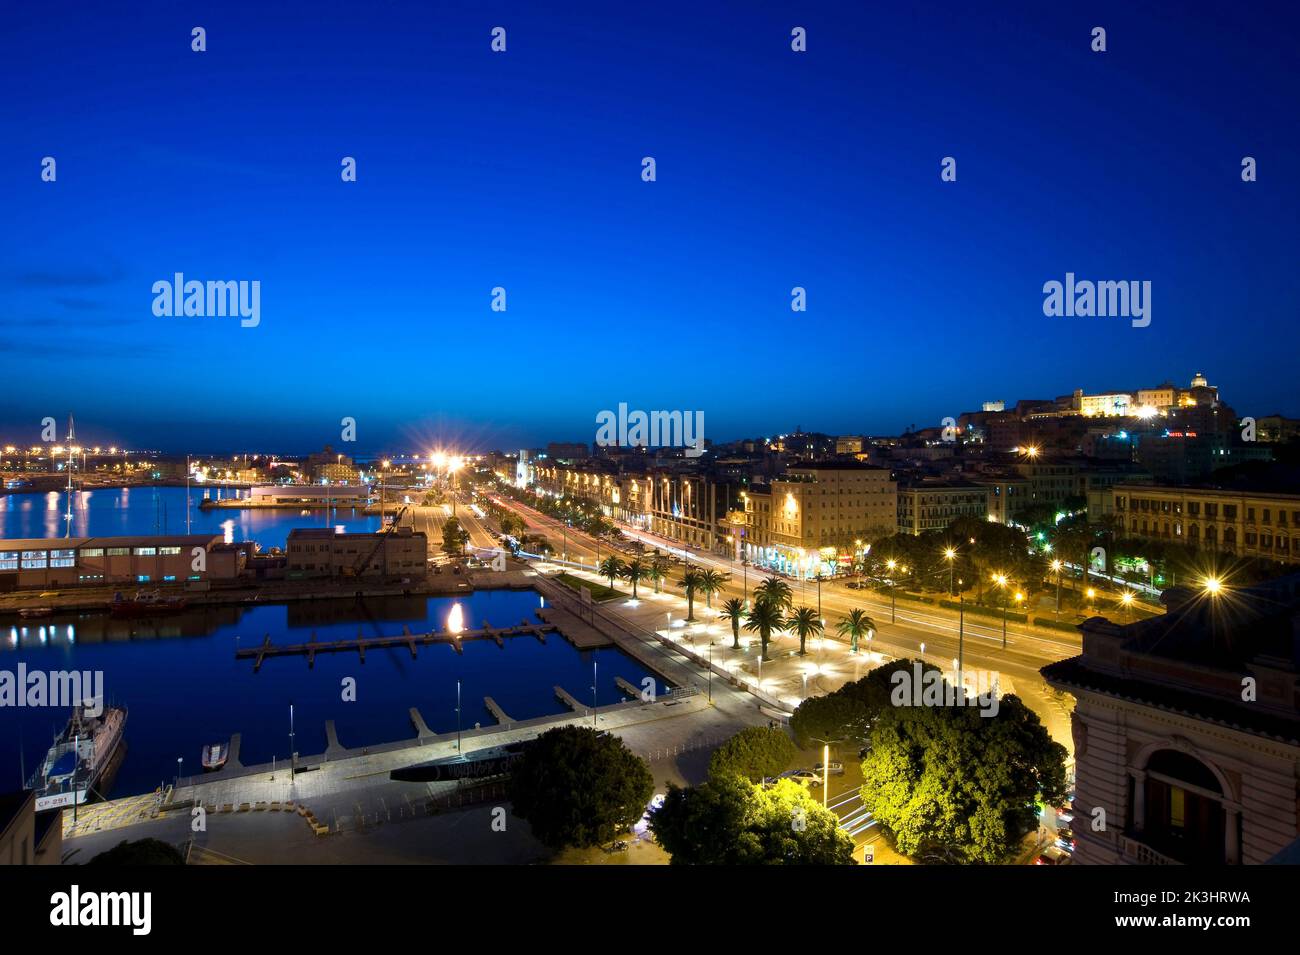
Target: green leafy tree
578,787
763,618
731,821
856,626
951,784
454,537
805,623
754,753
848,713
734,611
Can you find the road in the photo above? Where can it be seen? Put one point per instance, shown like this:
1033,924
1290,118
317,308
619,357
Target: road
934,633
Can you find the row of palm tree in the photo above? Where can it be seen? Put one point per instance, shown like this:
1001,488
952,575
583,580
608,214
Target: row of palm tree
773,607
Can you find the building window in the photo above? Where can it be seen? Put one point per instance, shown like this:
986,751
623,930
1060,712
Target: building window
92,552
35,559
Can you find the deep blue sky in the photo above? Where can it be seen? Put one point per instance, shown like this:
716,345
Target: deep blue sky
522,170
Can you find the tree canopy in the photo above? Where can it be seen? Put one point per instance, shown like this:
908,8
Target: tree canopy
849,712
953,785
140,852
754,752
731,821
579,787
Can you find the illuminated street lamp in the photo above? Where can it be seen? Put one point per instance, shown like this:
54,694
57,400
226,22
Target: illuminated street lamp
1001,581
1056,566
1126,599
951,555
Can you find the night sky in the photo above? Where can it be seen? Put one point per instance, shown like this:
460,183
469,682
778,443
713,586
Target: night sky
523,170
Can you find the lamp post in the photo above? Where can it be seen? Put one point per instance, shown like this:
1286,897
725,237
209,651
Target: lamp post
458,750
594,702
893,615
961,631
950,554
293,753
1001,581
1056,566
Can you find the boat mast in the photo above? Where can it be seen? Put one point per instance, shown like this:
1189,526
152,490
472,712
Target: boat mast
67,531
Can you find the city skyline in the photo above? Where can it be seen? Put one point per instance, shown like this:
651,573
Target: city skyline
762,186
471,439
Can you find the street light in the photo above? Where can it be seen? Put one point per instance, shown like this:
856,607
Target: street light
1056,566
950,554
1001,581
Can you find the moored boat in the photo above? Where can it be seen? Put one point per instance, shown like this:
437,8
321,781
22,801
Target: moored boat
77,767
145,603
215,756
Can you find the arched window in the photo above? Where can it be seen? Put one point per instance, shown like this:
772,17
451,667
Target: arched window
1184,808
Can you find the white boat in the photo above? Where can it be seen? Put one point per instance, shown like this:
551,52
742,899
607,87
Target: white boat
76,765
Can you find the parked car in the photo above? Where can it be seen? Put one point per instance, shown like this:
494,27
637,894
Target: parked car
1052,856
804,777
836,768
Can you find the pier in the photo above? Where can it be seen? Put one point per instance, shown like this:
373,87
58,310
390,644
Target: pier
360,644
495,709
568,699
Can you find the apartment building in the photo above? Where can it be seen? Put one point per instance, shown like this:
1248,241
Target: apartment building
932,506
799,521
1245,524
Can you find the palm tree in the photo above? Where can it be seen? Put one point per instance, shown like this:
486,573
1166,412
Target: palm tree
612,568
804,622
762,619
634,571
776,591
855,626
710,583
691,581
658,569
734,610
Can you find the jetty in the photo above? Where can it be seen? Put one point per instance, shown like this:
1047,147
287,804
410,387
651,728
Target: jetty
405,640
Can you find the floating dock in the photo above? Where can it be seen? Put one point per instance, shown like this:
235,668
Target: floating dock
360,644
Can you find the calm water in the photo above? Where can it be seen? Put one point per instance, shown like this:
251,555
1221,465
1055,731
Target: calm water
184,688
160,510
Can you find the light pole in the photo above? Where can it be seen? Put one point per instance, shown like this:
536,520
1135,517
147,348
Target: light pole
893,615
1056,566
951,555
1001,581
293,753
458,749
826,771
961,629
594,702
179,760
